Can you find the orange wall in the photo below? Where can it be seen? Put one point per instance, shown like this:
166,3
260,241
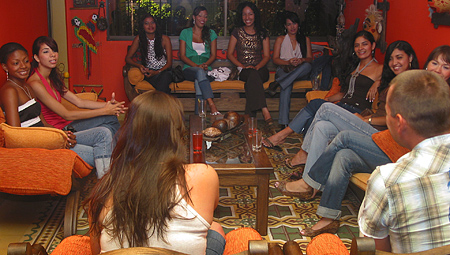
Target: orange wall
406,20
22,21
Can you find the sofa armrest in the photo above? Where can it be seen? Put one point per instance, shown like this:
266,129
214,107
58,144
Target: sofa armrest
85,95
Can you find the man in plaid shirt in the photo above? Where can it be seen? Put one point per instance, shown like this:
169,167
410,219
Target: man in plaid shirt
407,203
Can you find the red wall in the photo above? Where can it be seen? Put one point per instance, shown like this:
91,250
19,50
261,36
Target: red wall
106,64
406,20
22,21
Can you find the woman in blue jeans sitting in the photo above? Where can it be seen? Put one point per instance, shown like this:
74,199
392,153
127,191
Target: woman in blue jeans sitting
198,45
292,53
363,76
21,109
330,119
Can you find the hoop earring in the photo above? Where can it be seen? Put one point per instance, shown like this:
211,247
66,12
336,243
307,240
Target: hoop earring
7,74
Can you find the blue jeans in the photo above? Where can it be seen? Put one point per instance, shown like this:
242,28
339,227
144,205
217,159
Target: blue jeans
201,81
286,81
329,120
304,117
95,147
349,152
215,243
108,121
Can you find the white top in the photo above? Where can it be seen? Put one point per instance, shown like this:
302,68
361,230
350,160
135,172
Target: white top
186,232
287,52
199,48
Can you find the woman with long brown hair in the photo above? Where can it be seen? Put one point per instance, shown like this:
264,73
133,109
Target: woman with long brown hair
151,197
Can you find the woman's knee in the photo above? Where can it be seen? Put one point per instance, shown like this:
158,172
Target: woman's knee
200,75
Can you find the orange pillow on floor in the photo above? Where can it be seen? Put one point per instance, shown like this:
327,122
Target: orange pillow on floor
237,240
326,244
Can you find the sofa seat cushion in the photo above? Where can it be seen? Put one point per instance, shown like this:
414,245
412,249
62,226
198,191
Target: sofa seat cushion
32,171
188,86
360,180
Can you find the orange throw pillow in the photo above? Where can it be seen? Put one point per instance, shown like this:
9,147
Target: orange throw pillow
33,137
335,88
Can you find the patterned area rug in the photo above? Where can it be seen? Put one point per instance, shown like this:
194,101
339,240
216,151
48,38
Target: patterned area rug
237,206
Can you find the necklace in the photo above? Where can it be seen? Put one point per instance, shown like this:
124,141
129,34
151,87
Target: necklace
27,92
351,87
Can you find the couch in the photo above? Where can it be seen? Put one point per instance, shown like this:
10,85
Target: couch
35,162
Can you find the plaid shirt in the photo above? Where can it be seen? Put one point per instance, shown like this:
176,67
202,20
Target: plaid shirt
410,200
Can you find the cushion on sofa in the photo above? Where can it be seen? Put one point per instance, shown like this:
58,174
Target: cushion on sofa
360,180
33,171
85,95
33,137
135,75
234,85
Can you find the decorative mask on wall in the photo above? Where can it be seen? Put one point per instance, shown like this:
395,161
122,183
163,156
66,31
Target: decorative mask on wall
373,22
440,6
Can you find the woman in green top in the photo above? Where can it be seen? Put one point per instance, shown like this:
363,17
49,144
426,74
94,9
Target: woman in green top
198,47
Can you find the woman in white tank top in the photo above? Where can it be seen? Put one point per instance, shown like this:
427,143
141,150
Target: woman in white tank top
292,53
150,197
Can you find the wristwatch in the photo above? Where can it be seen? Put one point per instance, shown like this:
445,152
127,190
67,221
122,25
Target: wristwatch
370,120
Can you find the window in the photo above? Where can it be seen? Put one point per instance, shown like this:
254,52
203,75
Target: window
175,15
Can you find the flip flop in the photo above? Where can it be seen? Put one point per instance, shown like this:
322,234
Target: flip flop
288,164
270,145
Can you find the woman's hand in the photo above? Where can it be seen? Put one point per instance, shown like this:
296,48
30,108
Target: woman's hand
203,66
143,69
151,73
250,67
371,94
114,108
295,61
71,139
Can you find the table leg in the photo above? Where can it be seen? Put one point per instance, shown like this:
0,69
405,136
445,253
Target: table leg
262,204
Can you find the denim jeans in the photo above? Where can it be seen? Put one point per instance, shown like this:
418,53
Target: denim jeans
201,81
349,152
305,116
95,147
215,243
286,81
329,120
108,121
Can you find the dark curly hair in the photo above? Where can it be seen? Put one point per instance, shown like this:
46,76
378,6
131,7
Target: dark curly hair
143,43
262,32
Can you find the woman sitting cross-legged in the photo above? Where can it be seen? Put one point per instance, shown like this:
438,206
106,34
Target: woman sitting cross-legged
21,109
330,119
156,54
151,197
292,53
198,45
361,77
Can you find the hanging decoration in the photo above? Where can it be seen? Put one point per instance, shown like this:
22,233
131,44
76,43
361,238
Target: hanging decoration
86,37
375,22
439,12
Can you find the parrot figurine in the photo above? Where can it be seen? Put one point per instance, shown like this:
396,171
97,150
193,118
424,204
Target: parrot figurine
85,36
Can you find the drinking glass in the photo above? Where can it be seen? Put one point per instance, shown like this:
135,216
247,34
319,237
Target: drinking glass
202,108
252,126
197,141
256,140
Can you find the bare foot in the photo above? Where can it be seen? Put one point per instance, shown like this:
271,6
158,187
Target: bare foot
299,158
321,224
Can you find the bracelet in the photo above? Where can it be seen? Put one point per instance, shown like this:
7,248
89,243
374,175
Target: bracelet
370,120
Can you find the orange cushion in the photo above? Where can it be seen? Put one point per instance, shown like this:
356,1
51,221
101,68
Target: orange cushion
74,245
326,244
135,75
2,139
33,137
388,145
33,171
335,88
2,116
144,85
237,240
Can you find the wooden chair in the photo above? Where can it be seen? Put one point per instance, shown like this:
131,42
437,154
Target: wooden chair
366,246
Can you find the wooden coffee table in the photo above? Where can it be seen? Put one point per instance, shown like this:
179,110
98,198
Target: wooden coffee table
249,168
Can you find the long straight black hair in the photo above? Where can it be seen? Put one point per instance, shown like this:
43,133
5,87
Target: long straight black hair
143,42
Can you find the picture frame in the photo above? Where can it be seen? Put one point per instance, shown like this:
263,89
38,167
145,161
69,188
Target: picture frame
85,3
